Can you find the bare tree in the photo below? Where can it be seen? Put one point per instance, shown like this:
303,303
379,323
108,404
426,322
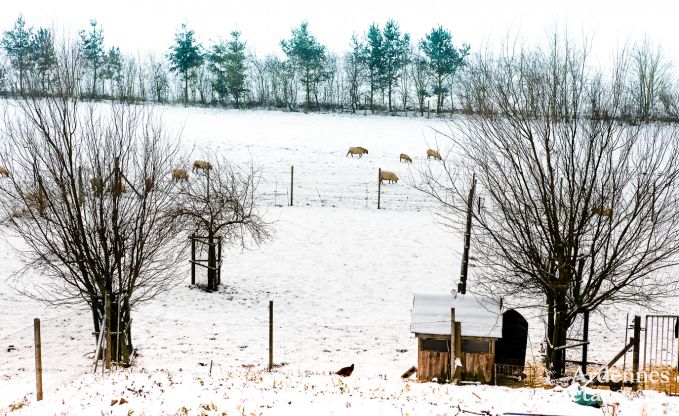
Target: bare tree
88,193
221,202
651,72
579,209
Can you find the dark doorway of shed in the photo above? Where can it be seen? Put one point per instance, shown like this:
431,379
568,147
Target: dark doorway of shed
510,350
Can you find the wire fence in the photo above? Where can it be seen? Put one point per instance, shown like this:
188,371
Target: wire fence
333,187
66,348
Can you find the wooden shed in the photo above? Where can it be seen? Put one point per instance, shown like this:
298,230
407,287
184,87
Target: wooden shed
478,325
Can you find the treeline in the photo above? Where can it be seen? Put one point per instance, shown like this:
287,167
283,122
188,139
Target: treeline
385,70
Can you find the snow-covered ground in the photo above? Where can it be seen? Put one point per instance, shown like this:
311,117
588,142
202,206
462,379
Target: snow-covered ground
341,275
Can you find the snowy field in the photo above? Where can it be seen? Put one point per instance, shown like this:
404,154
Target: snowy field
341,275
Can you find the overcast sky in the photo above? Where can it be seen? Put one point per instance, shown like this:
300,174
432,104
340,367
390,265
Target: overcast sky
142,26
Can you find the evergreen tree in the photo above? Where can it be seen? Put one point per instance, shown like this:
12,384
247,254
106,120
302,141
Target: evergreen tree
307,56
373,58
18,46
184,56
92,46
236,67
395,54
216,59
44,56
443,59
112,69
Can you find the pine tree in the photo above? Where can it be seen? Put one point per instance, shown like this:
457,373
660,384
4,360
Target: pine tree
216,64
443,60
92,46
395,53
44,57
308,57
236,67
373,57
18,46
112,69
184,56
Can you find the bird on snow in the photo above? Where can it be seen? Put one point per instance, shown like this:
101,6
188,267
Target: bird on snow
346,371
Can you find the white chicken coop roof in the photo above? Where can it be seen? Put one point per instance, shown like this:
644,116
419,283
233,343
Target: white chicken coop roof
480,316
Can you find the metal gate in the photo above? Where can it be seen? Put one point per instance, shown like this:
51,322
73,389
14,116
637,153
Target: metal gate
661,342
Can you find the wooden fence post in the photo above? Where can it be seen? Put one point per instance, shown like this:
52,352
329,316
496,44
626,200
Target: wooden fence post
38,358
270,335
193,259
379,187
107,351
635,350
585,338
292,181
453,352
219,260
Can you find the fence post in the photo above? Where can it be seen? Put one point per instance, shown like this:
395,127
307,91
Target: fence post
193,259
219,260
635,350
585,338
38,358
292,181
452,344
107,351
379,187
270,335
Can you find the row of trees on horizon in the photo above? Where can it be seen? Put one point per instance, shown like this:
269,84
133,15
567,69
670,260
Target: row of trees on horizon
385,70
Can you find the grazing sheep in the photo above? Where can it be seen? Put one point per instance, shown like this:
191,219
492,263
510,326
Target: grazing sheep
358,150
405,157
604,212
433,153
180,175
97,186
388,176
3,171
201,164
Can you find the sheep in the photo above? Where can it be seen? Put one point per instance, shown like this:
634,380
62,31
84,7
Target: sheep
388,176
604,212
433,153
201,164
405,157
3,171
358,150
180,175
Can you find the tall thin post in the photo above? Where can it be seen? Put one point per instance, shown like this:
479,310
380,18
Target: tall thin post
219,260
428,108
452,344
635,350
585,338
107,351
193,259
292,181
270,335
462,286
624,358
38,358
379,187
365,106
